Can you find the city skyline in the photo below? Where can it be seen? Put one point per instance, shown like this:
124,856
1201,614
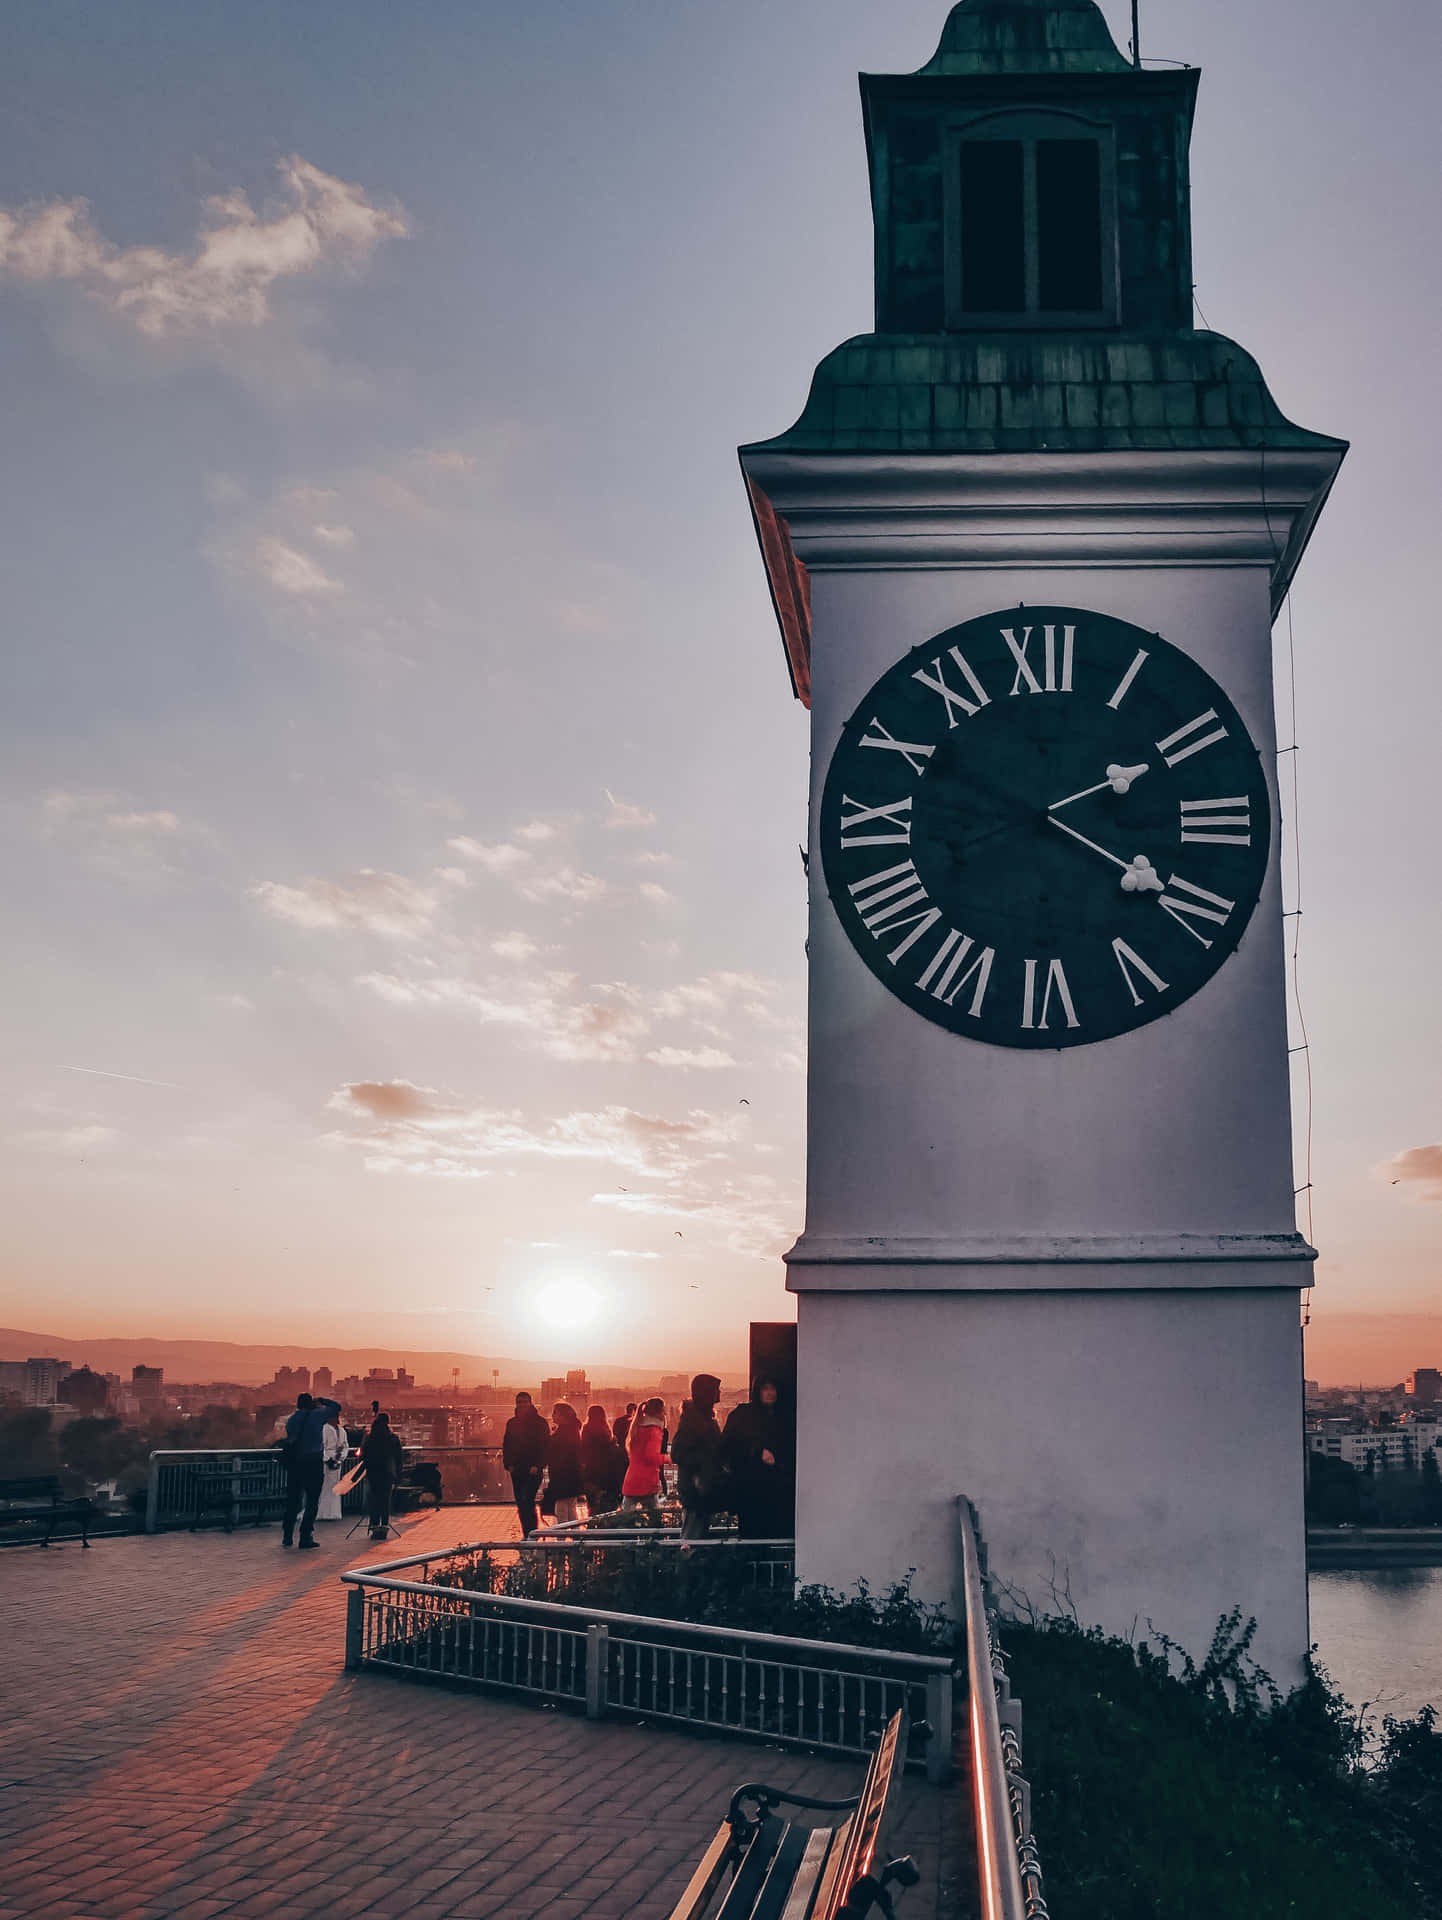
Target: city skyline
403,786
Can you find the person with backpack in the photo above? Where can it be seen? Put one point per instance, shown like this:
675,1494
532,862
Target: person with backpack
603,1463
565,1486
303,1452
696,1451
383,1457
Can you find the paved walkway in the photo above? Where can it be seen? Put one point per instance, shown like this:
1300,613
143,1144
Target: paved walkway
178,1740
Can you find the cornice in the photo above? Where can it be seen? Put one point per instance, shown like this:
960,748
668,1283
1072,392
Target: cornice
1009,1263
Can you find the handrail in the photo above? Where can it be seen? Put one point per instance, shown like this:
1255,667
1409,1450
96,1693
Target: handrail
364,1577
1000,1872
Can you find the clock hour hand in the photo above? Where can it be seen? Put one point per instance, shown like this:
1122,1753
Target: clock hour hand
1120,779
1138,874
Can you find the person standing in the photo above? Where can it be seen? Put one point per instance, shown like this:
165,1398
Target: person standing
524,1447
621,1425
758,1453
335,1447
382,1457
565,1488
642,1484
696,1451
304,1450
603,1463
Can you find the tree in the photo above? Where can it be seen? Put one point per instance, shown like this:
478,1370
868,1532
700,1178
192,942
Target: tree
1431,1489
100,1449
27,1446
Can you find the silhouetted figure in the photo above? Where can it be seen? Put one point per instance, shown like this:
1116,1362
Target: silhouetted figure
758,1451
696,1452
303,1449
603,1463
524,1447
642,1484
383,1458
621,1425
565,1488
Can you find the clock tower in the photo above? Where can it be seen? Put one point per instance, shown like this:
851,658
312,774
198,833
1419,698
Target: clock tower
1025,543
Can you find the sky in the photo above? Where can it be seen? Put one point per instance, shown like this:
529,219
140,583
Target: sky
402,788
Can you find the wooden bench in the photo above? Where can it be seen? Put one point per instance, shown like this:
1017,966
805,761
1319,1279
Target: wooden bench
40,1498
782,1870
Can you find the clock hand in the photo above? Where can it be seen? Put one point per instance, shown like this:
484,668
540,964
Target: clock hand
1119,779
1138,875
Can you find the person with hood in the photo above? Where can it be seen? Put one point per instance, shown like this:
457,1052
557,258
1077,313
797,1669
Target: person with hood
603,1463
758,1453
642,1484
696,1452
382,1458
565,1488
524,1446
303,1450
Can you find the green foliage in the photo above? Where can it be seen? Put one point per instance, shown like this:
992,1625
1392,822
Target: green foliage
1160,1785
1341,1494
713,1586
27,1446
100,1449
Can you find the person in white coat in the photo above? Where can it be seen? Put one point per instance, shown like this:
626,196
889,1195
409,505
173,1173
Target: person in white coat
335,1447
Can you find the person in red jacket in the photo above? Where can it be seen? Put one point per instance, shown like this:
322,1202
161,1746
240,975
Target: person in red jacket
642,1485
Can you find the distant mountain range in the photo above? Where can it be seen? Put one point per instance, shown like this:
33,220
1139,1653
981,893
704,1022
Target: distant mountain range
199,1361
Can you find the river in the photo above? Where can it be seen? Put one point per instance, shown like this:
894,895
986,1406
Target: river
1378,1633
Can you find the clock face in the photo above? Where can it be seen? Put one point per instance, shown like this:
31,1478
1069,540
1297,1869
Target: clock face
1045,827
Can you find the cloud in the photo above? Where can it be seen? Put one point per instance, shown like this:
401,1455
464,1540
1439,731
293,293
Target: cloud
160,820
290,571
690,1057
751,1215
1418,1167
404,1128
623,814
498,858
650,858
514,946
376,902
79,1140
629,1253
225,280
565,883
658,895
542,1011
334,536
536,830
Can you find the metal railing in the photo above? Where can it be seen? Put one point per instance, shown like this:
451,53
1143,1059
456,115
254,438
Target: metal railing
804,1693
572,1558
1007,1861
182,1480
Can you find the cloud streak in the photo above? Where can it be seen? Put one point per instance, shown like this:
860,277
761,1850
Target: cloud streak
225,280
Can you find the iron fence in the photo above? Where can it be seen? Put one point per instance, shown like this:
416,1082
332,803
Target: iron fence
801,1693
189,1484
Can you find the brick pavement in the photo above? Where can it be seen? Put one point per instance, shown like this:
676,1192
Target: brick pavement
178,1741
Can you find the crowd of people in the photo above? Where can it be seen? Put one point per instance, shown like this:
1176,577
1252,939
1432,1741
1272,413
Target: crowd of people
316,1451
747,1468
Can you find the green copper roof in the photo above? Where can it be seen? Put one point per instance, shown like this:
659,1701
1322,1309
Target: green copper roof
1025,36
1030,393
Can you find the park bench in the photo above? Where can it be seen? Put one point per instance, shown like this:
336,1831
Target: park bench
782,1870
39,1498
240,1488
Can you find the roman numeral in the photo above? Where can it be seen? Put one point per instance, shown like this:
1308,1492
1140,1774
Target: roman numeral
936,680
1024,671
1126,959
1193,746
889,814
1055,977
1190,903
944,977
912,752
1124,685
886,901
1223,823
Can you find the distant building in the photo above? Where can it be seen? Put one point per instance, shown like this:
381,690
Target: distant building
292,1380
35,1383
675,1385
322,1380
87,1392
1424,1386
1380,1449
147,1384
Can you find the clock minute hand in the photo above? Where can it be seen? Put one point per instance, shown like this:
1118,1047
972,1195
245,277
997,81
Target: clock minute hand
1138,874
1120,779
